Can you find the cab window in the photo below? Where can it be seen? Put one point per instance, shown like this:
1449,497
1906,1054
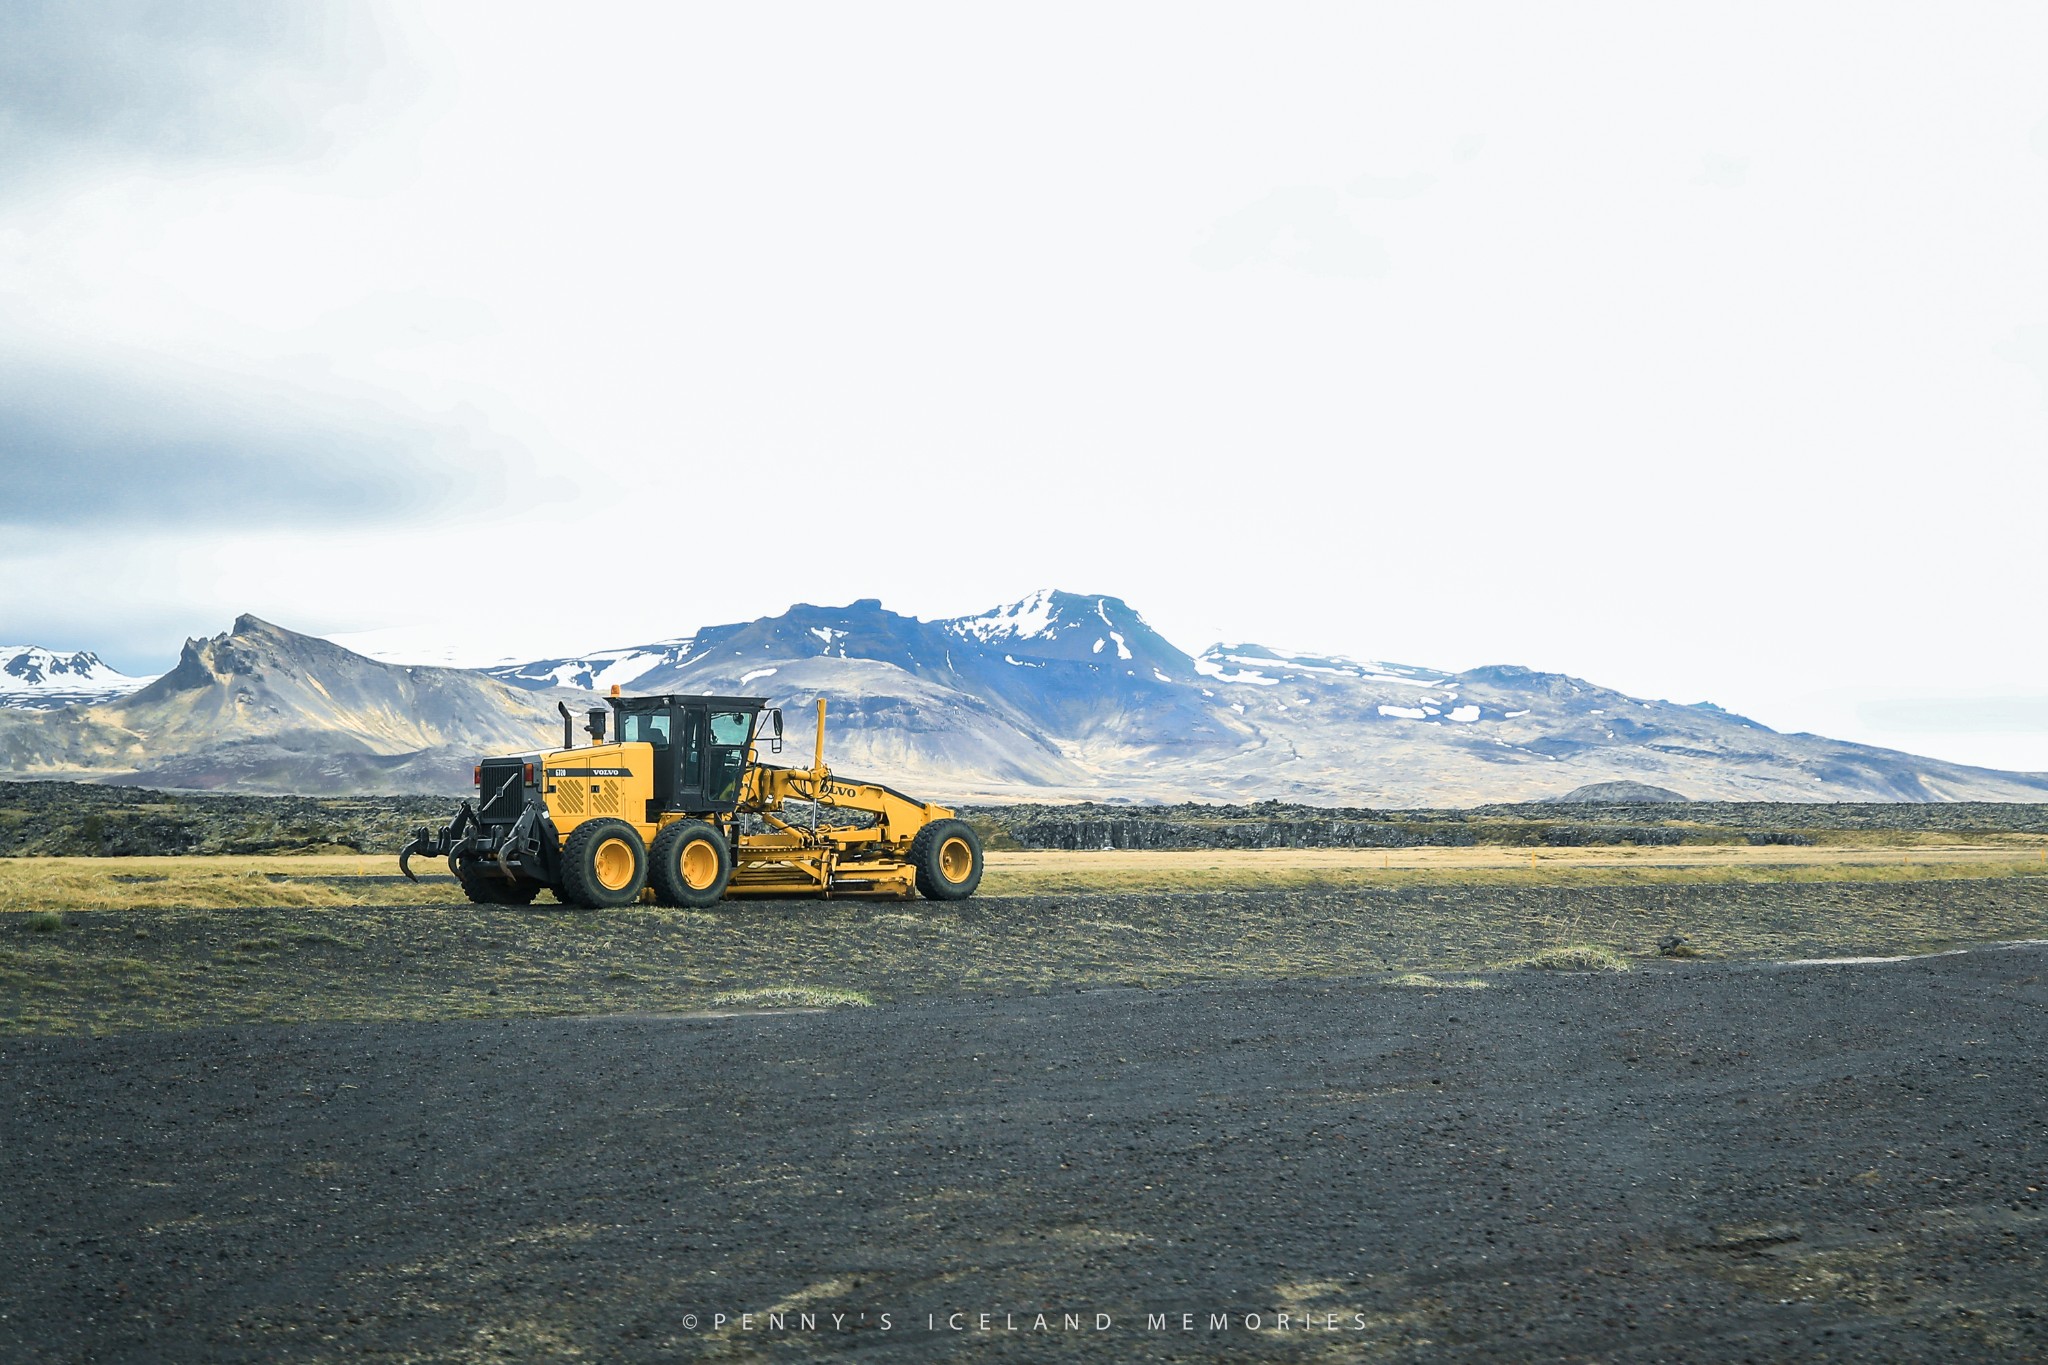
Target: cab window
731,727
691,772
645,727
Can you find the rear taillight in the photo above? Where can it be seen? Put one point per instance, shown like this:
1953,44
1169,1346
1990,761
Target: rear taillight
529,774
476,776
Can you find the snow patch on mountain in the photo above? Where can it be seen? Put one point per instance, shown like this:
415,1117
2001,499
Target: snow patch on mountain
38,679
600,671
1025,620
1263,666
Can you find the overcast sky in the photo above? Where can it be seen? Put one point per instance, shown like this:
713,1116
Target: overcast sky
1699,351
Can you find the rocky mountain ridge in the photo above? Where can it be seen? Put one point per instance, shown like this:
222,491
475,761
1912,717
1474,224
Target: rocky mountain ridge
1057,697
1064,696
262,708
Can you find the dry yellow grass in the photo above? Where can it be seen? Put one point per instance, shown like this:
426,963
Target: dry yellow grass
340,880
1036,872
173,883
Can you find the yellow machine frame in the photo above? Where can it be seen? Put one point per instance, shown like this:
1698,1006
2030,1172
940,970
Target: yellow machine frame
614,780
562,818
827,860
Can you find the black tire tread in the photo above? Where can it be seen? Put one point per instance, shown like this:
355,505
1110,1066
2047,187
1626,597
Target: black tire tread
580,886
664,865
924,860
485,888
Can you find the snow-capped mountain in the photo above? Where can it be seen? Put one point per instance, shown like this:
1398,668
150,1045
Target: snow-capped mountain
1069,694
38,679
1060,696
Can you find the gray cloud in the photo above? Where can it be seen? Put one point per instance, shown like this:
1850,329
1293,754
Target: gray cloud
175,79
81,448
134,439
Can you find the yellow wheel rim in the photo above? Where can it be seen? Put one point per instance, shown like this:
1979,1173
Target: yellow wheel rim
700,864
956,859
614,865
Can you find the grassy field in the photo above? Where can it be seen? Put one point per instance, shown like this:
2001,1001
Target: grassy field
89,945
342,880
1024,873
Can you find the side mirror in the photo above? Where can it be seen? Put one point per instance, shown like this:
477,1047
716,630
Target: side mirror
775,724
596,726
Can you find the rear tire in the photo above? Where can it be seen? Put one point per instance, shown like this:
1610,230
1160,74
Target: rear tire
604,865
946,855
689,865
487,888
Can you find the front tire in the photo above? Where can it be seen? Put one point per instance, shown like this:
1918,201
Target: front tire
946,855
689,865
604,865
487,888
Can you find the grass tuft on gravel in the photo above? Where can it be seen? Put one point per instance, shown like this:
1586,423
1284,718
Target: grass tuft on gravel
45,922
1577,957
792,997
1424,981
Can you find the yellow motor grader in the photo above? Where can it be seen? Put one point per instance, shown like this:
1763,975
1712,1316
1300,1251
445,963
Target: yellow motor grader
679,808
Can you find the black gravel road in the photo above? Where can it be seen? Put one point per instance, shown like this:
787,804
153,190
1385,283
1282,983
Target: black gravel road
1705,1162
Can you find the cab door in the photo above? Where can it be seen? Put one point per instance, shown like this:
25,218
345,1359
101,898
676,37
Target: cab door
689,751
728,734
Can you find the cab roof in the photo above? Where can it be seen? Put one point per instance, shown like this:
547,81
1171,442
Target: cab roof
667,699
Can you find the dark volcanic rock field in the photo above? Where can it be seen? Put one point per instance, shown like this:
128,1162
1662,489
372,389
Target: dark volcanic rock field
1274,825
91,819
88,819
1693,1162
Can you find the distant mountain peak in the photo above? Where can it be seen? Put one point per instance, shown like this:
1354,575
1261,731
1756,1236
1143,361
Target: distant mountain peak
1026,619
1086,627
39,679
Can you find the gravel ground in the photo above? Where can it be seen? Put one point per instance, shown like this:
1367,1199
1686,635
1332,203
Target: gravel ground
1692,1162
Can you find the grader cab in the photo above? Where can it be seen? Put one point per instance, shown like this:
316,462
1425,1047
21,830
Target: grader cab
677,806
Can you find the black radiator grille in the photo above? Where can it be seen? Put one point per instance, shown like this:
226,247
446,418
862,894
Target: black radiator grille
503,790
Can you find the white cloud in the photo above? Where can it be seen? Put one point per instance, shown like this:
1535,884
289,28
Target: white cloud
1036,283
